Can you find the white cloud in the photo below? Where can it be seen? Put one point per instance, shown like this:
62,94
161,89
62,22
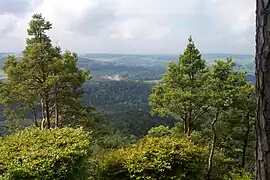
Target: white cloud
237,16
137,26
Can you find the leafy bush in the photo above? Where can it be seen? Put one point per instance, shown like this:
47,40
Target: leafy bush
222,164
155,158
117,140
238,174
44,154
159,131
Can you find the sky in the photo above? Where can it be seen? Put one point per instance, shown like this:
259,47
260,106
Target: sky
134,26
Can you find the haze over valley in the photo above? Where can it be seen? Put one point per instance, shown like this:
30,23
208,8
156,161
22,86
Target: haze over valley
138,67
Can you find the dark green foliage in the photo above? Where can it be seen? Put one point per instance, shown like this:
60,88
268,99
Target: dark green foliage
116,140
119,95
44,154
155,158
124,105
135,122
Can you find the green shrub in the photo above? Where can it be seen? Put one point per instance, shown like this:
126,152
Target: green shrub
159,131
44,154
238,174
117,140
155,158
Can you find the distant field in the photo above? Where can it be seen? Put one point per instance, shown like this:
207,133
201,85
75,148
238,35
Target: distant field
152,81
106,59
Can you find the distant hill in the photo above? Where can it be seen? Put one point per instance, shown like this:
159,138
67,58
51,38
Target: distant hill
140,66
147,60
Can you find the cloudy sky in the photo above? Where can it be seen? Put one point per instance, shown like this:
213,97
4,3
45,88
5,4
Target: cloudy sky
134,26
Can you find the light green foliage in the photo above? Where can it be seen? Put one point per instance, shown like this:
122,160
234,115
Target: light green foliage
44,154
102,144
182,91
159,131
197,137
238,174
176,132
225,84
155,158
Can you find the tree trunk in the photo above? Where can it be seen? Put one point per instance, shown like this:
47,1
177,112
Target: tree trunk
213,146
47,110
48,116
189,129
189,124
35,116
185,126
42,125
56,116
56,108
246,136
263,90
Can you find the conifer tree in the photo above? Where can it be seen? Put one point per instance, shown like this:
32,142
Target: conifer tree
225,85
262,90
45,77
182,91
241,123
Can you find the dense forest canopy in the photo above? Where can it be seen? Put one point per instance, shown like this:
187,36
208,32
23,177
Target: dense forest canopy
69,117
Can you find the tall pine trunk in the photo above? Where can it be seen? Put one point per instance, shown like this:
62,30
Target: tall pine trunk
47,111
185,126
42,125
263,90
57,123
213,146
189,124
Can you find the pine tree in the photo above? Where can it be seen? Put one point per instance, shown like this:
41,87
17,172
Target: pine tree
182,91
68,90
244,119
224,86
45,77
263,91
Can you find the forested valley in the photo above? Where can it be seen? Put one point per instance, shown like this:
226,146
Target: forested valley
191,120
